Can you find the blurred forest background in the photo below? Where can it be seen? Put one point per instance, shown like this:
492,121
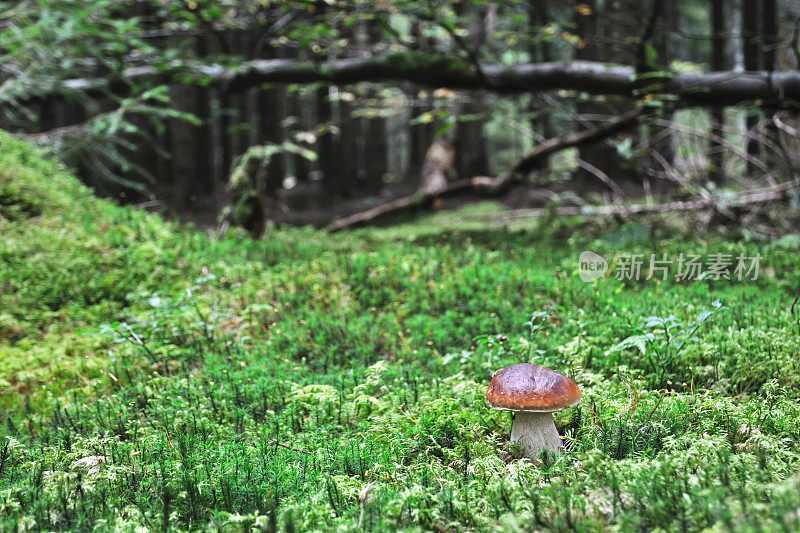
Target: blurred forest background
243,112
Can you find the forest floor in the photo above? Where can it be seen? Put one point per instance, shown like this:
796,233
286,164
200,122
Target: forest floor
153,376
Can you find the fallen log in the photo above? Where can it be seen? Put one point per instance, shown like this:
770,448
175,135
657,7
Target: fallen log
407,203
488,186
711,89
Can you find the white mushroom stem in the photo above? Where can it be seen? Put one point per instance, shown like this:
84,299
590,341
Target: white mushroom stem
534,431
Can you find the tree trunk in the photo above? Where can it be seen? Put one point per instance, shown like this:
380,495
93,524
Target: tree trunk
422,133
327,142
600,155
541,122
769,41
769,58
348,148
662,148
373,155
375,152
302,110
272,109
709,89
187,168
470,143
718,63
750,38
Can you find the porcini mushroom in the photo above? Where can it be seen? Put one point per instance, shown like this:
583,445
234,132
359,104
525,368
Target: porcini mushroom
533,393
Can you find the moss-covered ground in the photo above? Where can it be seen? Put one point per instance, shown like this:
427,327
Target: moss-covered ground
152,376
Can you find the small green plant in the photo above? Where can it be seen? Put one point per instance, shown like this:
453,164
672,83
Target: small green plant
659,342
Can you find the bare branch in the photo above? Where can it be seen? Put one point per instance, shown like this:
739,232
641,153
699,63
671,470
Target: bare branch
602,176
745,198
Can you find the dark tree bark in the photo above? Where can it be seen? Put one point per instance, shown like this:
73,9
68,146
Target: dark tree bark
541,122
303,109
226,124
601,155
718,63
184,157
272,110
190,166
373,153
421,134
769,30
348,148
750,38
470,143
769,62
327,141
654,34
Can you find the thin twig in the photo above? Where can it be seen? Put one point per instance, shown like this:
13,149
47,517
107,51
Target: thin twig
602,176
716,138
274,442
362,501
749,197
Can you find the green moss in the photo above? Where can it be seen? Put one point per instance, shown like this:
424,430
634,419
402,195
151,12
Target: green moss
17,204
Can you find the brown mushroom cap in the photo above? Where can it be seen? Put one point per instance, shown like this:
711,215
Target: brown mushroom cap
534,388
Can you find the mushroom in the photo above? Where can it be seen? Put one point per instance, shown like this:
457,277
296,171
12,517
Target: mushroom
533,393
